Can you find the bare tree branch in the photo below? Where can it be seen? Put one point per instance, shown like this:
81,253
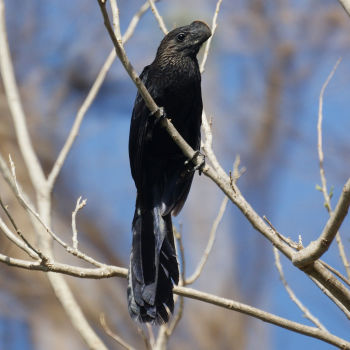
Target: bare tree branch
334,299
319,137
144,337
177,317
18,242
210,243
292,295
336,272
75,271
158,17
116,337
116,21
27,247
212,235
317,248
263,315
290,242
208,43
80,205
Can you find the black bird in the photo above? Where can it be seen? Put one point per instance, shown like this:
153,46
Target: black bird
160,171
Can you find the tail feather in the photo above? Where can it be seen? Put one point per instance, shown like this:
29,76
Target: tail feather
153,267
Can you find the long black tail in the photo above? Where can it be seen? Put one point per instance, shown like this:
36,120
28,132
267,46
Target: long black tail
153,266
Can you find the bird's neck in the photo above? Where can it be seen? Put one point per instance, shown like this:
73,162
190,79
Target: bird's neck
177,68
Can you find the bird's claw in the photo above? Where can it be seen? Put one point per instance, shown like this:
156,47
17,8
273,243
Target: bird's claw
162,115
200,166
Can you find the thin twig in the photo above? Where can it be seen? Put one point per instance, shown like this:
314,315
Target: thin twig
144,338
210,243
208,150
287,240
80,205
330,296
179,313
336,272
134,21
206,126
116,20
208,43
292,295
162,338
177,317
319,137
116,337
18,242
322,171
150,334
13,223
158,17
178,237
236,174
342,254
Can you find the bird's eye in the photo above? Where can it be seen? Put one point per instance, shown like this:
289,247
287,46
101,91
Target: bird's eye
180,37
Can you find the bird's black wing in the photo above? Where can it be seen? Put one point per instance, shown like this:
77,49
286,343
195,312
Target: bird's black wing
142,124
179,176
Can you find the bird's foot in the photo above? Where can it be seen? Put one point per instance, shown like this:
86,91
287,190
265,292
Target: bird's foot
161,113
190,163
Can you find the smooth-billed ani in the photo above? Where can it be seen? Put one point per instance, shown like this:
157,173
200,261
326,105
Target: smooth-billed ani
160,171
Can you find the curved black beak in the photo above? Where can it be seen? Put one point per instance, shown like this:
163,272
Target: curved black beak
200,32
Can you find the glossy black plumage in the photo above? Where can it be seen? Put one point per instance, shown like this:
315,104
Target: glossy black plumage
159,171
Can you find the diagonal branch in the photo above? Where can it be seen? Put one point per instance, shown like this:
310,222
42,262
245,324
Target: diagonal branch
151,105
19,233
263,315
208,43
158,17
18,242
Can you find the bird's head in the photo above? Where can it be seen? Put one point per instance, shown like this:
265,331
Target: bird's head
184,41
